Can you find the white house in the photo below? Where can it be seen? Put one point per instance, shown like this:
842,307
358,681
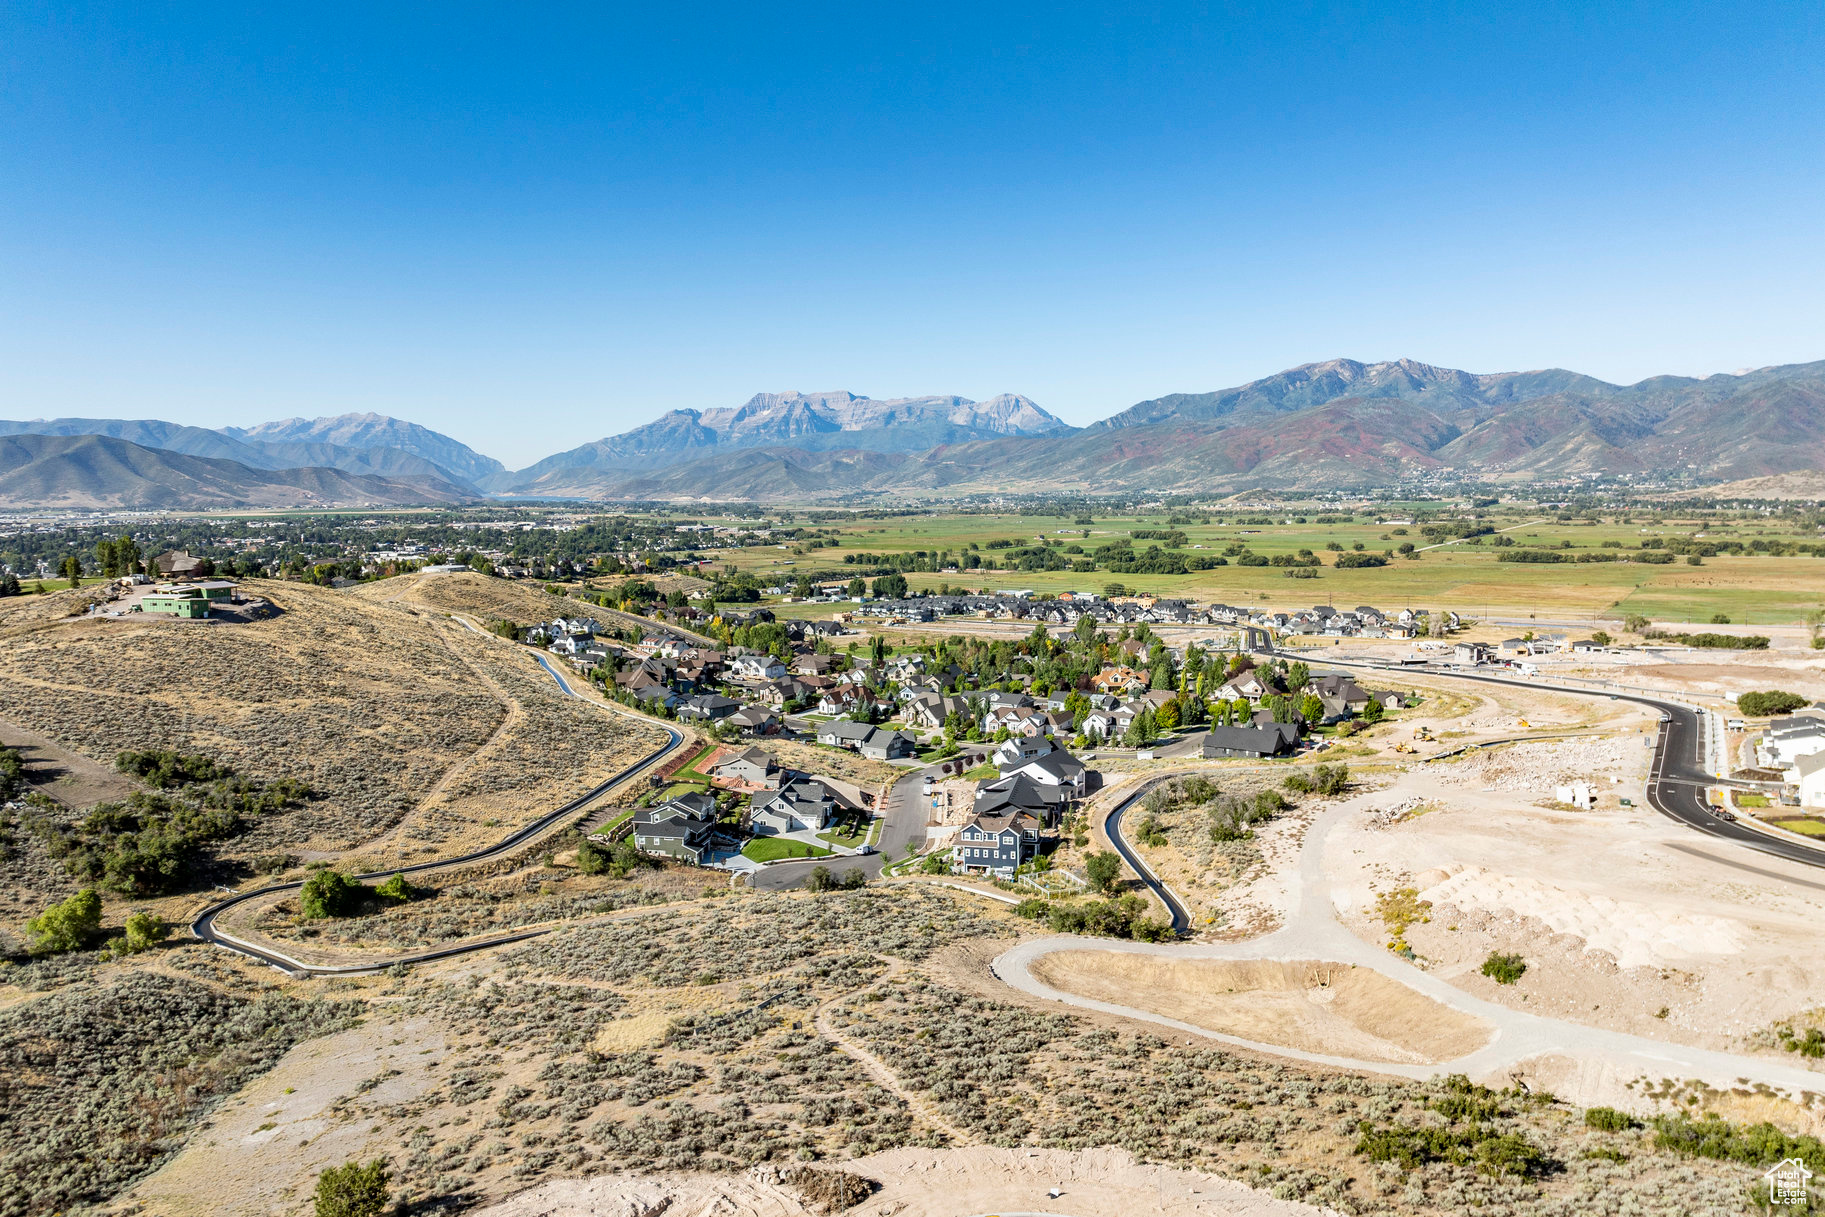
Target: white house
1809,774
757,667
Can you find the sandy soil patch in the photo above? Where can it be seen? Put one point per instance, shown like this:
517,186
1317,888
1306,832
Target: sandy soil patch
924,1183
1621,922
1311,1006
1636,933
68,776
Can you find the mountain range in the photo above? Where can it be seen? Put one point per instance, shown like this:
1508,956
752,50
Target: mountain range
1337,424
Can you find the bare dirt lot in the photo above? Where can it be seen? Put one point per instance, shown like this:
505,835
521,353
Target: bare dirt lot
1313,1006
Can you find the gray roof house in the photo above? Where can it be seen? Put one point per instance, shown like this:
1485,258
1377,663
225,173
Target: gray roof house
1275,739
678,828
799,805
998,844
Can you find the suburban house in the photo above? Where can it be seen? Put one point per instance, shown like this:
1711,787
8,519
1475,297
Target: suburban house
886,745
843,733
1340,694
998,844
678,828
707,707
176,564
1786,741
751,767
1057,769
1022,748
1018,792
1808,774
799,805
754,720
756,667
1275,739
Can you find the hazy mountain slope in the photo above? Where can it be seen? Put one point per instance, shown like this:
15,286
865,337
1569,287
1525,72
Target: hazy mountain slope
1413,418
377,431
809,422
94,471
257,454
1314,384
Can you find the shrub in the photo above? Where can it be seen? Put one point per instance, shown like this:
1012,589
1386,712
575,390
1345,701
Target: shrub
1754,1144
68,926
144,931
352,1190
1769,703
397,890
1608,1119
1504,969
328,893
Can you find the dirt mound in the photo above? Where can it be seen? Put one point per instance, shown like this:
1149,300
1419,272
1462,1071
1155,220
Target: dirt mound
1335,1009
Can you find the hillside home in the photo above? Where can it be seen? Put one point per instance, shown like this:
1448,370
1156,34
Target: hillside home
799,805
998,844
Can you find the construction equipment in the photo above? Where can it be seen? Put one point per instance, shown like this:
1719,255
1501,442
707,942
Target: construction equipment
1527,724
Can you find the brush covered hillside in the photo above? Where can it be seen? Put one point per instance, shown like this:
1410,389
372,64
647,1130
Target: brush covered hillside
98,471
1337,424
802,422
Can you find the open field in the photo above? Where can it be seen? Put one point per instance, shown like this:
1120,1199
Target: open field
1309,1005
1462,576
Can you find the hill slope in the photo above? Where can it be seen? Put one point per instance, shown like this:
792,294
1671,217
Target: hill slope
91,471
1338,424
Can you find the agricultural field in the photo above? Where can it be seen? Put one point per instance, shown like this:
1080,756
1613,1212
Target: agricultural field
1463,575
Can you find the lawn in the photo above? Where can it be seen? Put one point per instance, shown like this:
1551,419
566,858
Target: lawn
772,849
849,834
1804,826
695,770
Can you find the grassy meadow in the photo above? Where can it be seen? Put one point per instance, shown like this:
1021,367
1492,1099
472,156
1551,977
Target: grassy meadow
1463,576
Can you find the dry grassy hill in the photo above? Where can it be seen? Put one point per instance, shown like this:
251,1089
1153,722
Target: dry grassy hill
417,734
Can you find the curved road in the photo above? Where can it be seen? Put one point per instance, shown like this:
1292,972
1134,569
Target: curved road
1676,784
1112,825
204,926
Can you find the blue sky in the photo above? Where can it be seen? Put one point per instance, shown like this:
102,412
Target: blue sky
531,228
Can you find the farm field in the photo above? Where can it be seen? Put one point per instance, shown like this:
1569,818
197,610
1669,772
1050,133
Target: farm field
1464,576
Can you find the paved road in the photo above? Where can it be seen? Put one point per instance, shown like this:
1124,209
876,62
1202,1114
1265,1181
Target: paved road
1312,932
205,928
1181,916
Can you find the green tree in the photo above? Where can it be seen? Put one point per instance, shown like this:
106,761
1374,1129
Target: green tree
1311,708
1601,639
353,1190
72,570
890,587
1297,675
328,893
857,587
1103,870
397,890
68,926
144,931
126,553
1372,713
1169,715
105,559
